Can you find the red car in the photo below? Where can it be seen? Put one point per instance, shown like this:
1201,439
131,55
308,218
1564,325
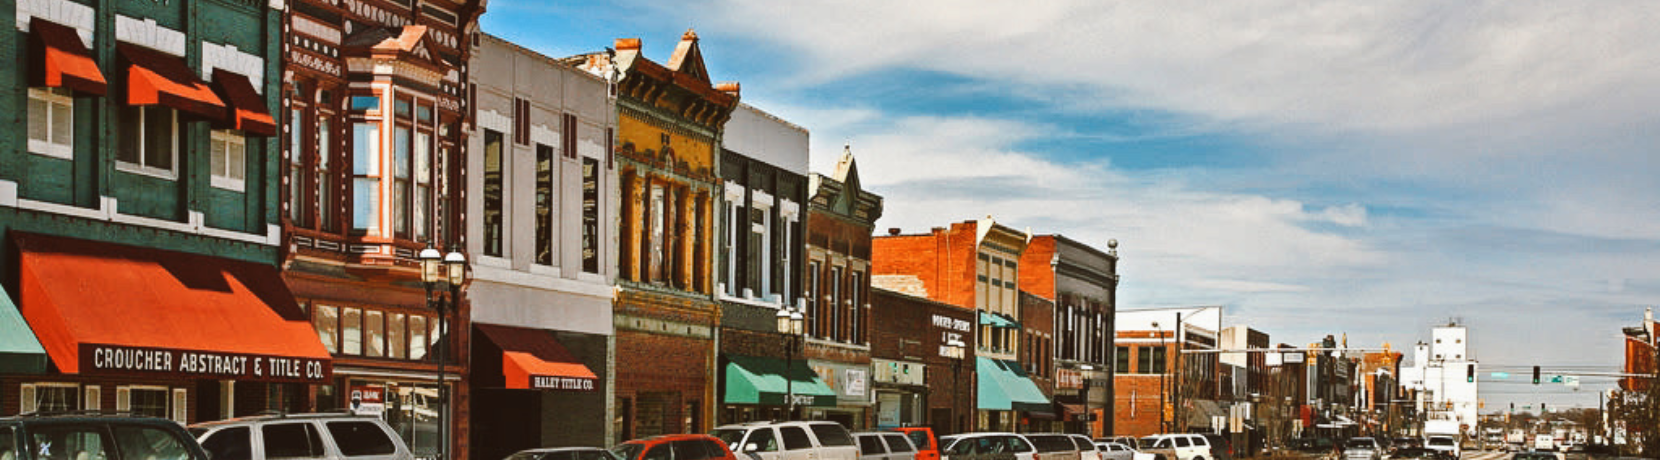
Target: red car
927,446
674,447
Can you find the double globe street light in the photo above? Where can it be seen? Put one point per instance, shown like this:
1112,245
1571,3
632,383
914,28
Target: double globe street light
450,269
789,324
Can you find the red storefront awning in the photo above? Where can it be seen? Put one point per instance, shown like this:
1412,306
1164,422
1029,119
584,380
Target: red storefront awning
154,77
109,309
247,110
58,59
534,359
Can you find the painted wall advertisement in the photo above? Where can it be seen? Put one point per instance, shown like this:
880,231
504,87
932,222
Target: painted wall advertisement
851,381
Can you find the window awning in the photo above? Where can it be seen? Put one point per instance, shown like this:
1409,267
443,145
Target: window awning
1004,386
108,309
20,352
58,59
154,77
768,381
534,359
996,320
247,110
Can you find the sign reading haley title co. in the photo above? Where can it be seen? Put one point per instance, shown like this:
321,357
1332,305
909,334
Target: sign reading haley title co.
545,382
116,359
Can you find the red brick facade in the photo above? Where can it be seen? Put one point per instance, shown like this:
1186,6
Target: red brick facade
906,330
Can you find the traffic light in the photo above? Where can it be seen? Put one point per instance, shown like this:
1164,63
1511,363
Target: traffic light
1542,408
1470,373
1535,375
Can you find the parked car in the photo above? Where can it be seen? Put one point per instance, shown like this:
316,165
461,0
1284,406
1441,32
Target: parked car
1177,446
1125,440
1362,449
1445,444
563,453
1535,455
987,445
1086,448
927,446
1119,451
1220,447
674,447
818,440
1418,453
83,436
1053,446
886,445
332,436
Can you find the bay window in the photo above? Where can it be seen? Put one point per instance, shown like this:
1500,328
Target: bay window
366,178
401,165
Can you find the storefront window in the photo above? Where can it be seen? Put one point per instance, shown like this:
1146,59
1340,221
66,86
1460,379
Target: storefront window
144,401
413,414
327,321
351,332
394,336
374,332
417,337
52,397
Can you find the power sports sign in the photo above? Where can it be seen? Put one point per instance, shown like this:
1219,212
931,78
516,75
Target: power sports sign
118,359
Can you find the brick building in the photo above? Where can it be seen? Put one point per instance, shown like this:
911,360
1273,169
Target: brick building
1082,282
921,355
668,139
764,184
1640,353
840,217
974,265
139,215
374,151
1154,345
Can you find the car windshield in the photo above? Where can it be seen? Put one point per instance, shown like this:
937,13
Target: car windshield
1440,441
628,451
1359,443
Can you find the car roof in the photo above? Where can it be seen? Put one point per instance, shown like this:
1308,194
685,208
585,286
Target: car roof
281,417
539,450
85,417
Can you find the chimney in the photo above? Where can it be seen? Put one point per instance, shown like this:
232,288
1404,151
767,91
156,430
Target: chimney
893,231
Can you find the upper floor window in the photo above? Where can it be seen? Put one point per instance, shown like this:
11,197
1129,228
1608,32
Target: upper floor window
590,215
366,178
297,176
148,140
493,199
326,186
52,122
658,247
544,204
229,163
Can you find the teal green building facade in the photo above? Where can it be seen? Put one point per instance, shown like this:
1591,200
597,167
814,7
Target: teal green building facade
141,131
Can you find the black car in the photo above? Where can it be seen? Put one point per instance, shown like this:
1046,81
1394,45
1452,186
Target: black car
1220,447
88,436
1419,453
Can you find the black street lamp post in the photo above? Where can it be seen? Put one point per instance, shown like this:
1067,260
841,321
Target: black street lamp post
450,269
789,324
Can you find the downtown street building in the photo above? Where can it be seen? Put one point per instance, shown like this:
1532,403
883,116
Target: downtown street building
139,209
541,186
375,137
922,361
1081,283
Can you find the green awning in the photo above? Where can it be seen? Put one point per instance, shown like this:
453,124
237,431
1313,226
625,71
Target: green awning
996,320
762,381
1004,386
20,352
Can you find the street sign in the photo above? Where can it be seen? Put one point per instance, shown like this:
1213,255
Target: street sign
1555,379
1500,375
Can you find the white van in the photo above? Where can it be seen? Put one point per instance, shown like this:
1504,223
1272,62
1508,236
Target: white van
789,440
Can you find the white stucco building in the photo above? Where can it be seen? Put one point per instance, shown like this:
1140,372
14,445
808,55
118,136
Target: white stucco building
1441,372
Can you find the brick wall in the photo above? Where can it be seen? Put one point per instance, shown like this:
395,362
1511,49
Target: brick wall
1136,406
903,330
1036,275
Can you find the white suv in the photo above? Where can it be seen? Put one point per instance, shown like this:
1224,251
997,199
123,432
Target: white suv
1179,446
335,436
789,440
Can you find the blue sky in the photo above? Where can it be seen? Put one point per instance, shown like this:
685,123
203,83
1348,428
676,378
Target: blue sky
1316,167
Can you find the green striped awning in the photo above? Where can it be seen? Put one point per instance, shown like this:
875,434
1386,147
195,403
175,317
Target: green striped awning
20,352
1004,386
766,381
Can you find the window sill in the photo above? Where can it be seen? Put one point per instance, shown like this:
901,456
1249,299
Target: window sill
229,184
49,149
131,168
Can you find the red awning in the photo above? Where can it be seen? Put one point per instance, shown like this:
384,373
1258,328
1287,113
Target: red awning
247,110
154,77
534,359
58,59
108,309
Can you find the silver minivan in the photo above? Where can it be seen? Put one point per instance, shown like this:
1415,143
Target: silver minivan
884,445
335,436
818,440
